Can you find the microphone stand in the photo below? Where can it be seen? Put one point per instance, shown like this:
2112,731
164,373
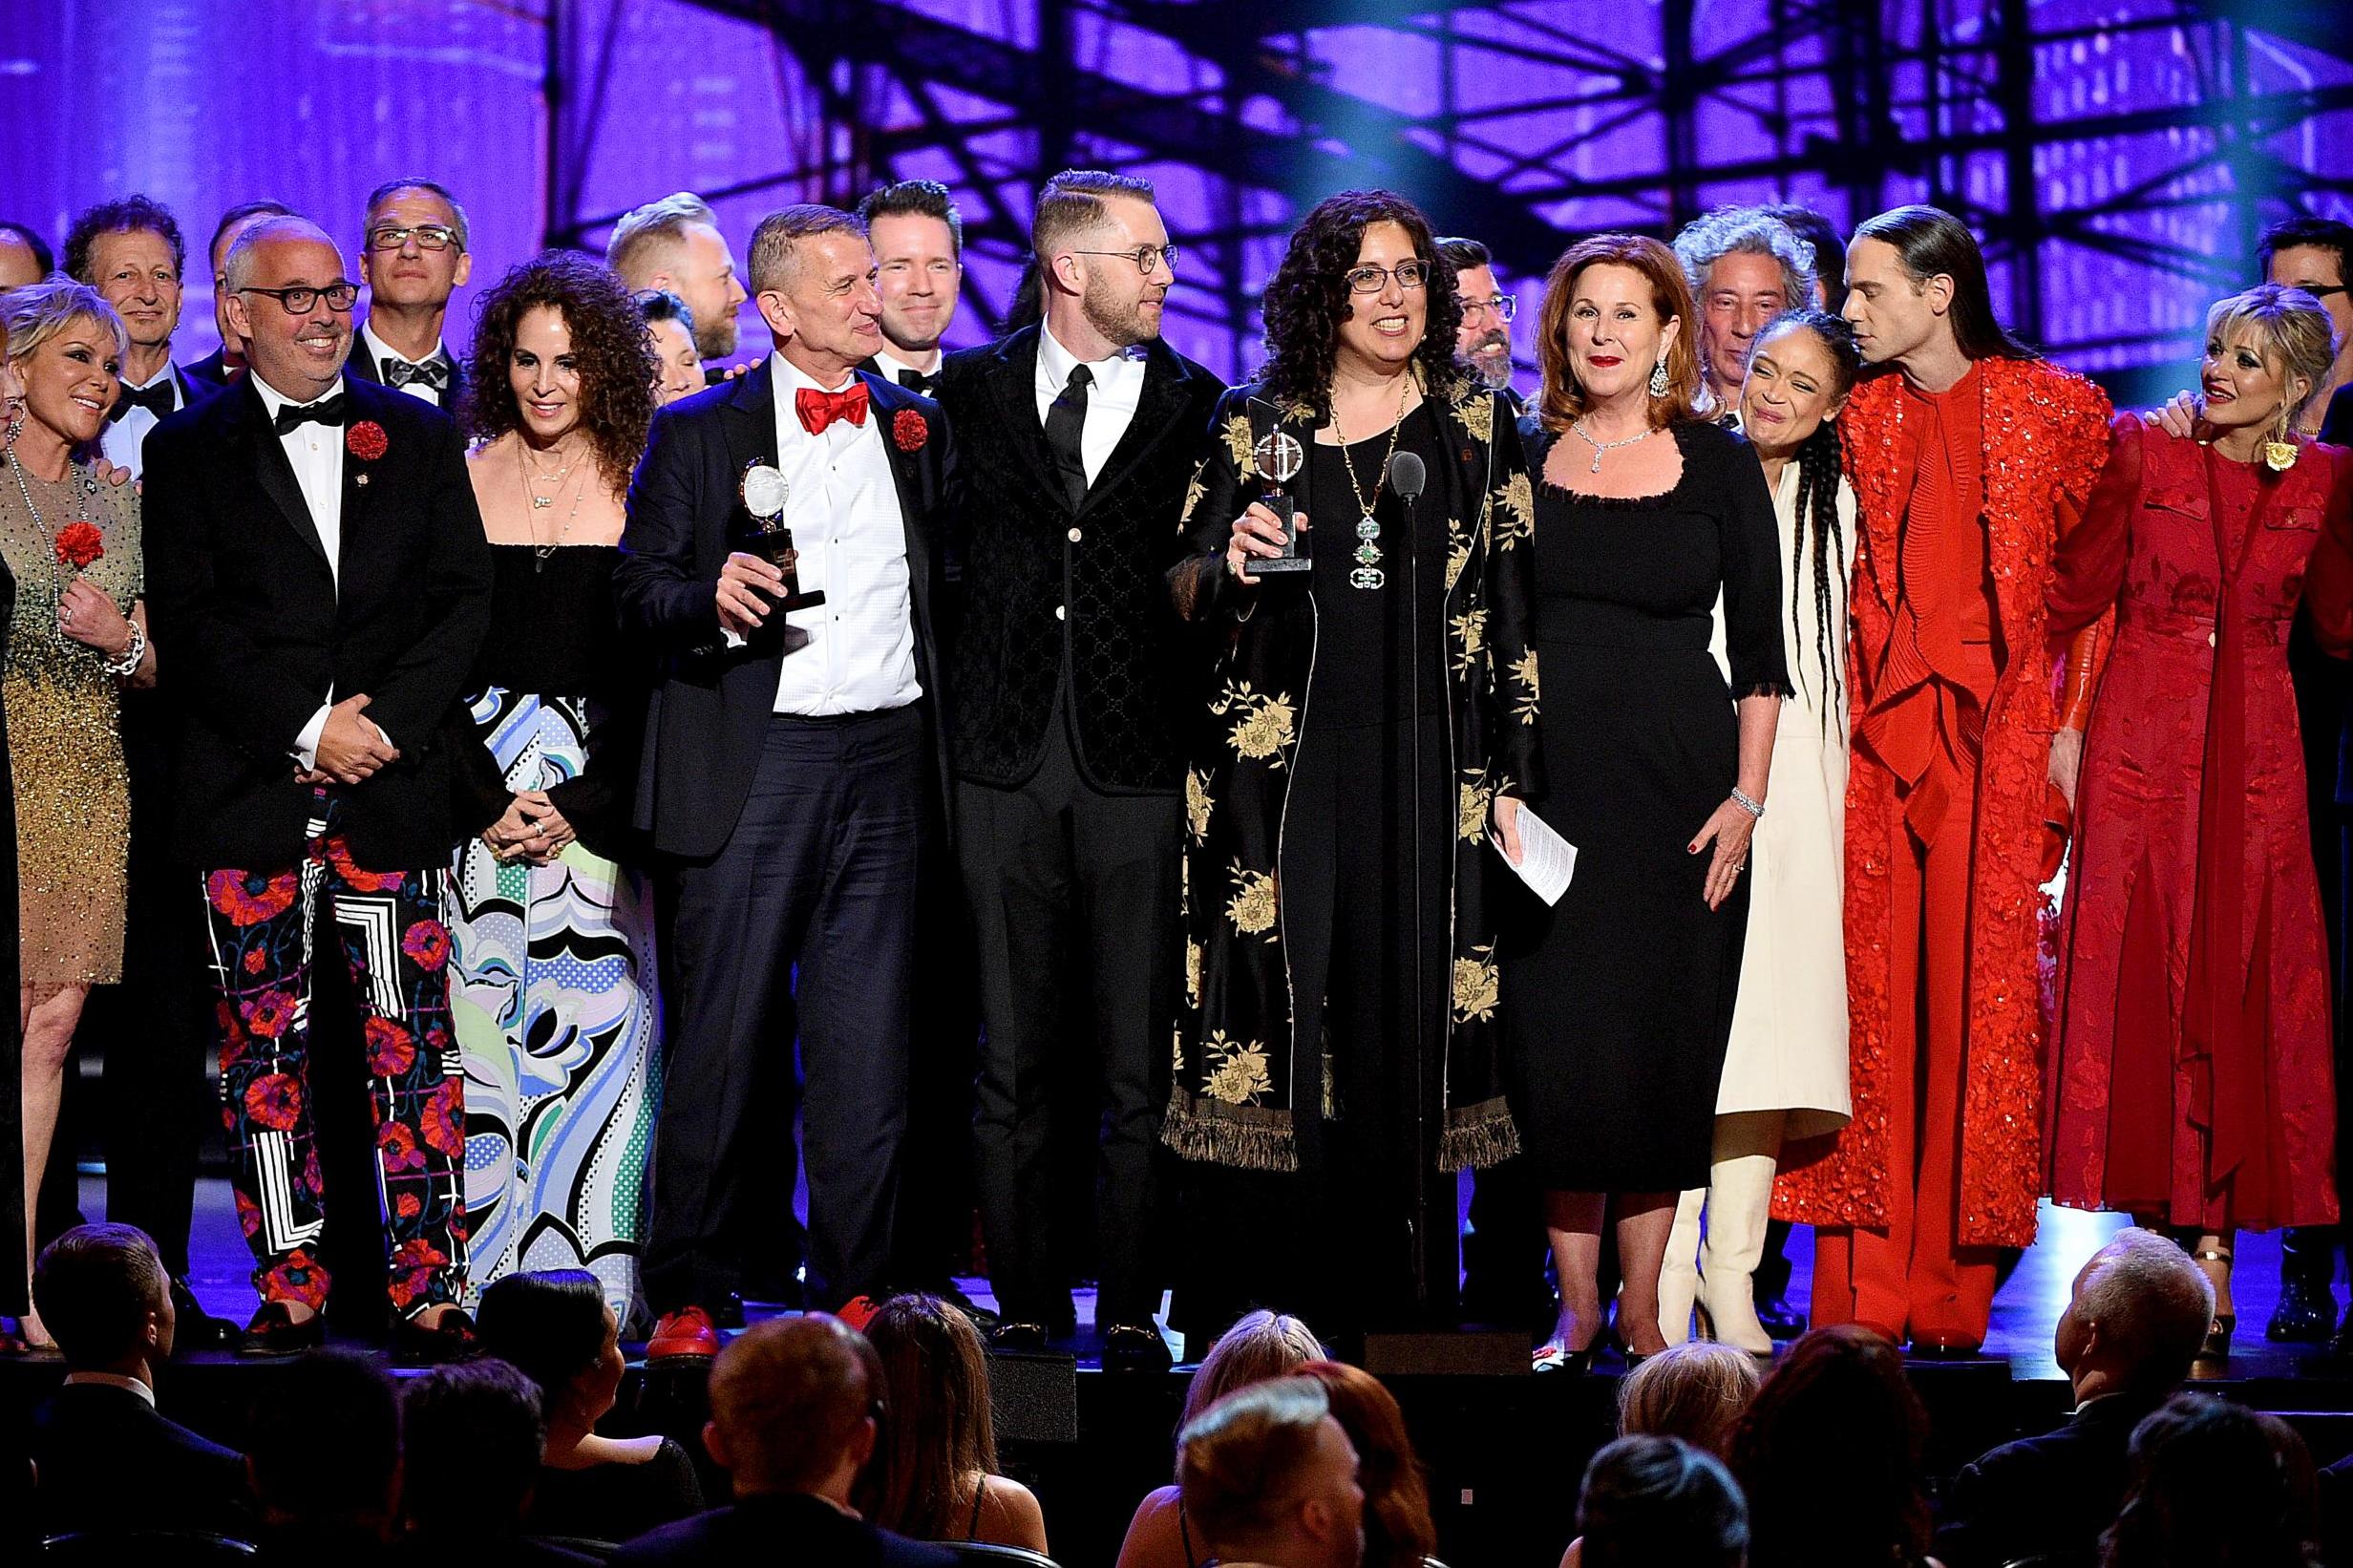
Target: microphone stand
1407,475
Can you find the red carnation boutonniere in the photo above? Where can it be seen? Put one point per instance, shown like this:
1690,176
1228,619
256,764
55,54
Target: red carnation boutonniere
78,544
365,441
910,430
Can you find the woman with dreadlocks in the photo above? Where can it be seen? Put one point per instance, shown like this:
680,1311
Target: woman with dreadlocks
1784,1073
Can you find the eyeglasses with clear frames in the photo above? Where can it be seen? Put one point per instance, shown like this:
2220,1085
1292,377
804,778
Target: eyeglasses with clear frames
428,236
1371,280
1504,306
340,297
1147,258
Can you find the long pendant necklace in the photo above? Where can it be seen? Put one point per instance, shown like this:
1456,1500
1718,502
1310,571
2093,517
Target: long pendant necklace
1600,447
89,488
541,552
1368,574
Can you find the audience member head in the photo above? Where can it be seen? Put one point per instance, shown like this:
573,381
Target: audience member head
1261,1346
813,277
1745,267
1398,1530
2268,353
1616,307
25,257
325,1450
1484,340
560,348
2313,254
1360,282
66,346
2138,1313
1105,263
678,364
918,246
1830,252
1268,1476
470,1438
103,1294
938,1432
132,253
233,222
1829,1454
412,251
2214,1485
1651,1501
1695,1391
795,1407
291,303
1915,287
675,244
553,1326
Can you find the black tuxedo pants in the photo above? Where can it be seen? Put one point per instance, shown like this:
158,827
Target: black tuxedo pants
803,924
1074,897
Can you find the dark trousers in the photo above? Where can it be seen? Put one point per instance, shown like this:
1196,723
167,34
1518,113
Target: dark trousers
1073,894
806,919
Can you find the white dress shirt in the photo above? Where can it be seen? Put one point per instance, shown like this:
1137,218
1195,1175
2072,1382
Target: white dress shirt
112,1380
842,506
1111,402
123,440
378,351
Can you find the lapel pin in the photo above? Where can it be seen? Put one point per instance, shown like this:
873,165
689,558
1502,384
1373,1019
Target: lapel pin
359,478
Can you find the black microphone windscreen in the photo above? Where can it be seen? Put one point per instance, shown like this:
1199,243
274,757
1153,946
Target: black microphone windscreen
1407,474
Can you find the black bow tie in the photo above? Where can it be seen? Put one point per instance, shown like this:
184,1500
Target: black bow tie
159,400
435,372
917,381
327,411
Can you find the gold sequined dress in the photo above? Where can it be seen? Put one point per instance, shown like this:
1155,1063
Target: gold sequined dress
64,731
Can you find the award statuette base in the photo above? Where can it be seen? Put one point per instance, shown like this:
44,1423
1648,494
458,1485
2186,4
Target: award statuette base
1295,557
773,545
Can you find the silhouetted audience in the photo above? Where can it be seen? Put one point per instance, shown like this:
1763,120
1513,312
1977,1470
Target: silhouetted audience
325,1461
934,1475
108,1459
555,1327
470,1438
1696,1391
2138,1312
795,1408
1269,1478
2214,1485
1658,1502
1399,1532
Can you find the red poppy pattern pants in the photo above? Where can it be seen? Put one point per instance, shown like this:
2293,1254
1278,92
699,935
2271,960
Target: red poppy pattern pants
388,924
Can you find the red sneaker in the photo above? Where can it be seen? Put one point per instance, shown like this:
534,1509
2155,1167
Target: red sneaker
686,1334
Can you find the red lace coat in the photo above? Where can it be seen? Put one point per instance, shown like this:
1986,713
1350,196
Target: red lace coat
2046,434
2191,1064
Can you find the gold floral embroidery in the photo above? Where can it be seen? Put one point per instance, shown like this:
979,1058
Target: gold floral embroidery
1469,638
1516,498
1457,554
1478,985
1237,434
1475,407
1192,499
1193,974
1237,1069
1265,725
1197,804
1177,1050
1300,412
1523,670
1477,794
1252,907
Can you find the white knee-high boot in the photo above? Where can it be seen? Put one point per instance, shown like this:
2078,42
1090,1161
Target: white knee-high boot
1679,1279
1738,1206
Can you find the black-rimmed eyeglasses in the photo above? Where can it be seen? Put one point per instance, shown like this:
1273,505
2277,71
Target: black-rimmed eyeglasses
1371,280
428,236
1147,258
340,297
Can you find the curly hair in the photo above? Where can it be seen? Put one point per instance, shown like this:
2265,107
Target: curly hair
1307,298
609,341
1829,1454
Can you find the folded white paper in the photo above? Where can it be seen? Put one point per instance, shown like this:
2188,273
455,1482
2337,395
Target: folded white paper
1546,859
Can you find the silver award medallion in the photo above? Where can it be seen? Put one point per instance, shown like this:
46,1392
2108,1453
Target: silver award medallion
765,491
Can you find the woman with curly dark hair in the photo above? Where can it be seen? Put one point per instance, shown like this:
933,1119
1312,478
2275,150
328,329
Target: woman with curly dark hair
1829,1454
1368,718
552,970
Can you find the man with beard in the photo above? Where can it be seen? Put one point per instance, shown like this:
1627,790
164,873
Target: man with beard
919,247
675,244
1077,440
413,256
1745,268
1484,342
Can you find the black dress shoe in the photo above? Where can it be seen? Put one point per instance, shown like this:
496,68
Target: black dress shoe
1781,1320
193,1327
1019,1338
1135,1348
2306,1312
274,1332
1936,1350
450,1338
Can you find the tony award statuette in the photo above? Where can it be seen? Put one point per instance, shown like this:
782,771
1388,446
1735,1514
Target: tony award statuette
764,492
1279,458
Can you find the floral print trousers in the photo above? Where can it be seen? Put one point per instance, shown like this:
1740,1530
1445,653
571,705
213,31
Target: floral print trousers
390,927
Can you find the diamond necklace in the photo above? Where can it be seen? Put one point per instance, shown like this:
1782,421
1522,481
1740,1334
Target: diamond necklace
1600,447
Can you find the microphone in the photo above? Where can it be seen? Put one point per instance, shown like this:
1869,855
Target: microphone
1407,474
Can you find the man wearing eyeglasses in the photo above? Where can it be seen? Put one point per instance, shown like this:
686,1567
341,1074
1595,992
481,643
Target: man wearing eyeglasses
1484,341
314,549
413,257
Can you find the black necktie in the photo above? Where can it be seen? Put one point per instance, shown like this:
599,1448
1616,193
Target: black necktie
1064,422
327,411
916,381
435,372
159,400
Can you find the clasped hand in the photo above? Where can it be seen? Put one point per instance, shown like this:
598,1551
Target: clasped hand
533,831
352,749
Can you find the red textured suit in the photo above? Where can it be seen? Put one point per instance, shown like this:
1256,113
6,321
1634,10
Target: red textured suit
2191,1077
1962,496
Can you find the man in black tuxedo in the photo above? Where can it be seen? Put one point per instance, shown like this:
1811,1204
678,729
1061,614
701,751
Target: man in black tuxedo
795,1408
227,362
2139,1311
788,752
131,252
315,558
413,257
107,1458
1077,439
918,249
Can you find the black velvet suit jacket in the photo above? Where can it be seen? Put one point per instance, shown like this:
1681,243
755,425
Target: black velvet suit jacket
1035,601
2049,1495
109,1460
778,1532
711,704
252,630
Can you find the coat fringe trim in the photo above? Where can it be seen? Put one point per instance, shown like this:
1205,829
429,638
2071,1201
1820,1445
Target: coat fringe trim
1248,1136
1478,1136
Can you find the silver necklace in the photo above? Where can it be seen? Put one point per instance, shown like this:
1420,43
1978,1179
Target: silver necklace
1600,447
541,552
89,488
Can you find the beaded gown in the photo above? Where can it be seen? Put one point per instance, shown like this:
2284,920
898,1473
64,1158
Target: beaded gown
64,722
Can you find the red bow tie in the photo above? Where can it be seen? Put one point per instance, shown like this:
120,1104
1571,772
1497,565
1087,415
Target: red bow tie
820,409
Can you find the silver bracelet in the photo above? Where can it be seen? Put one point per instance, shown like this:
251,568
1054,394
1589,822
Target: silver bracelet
1754,808
126,667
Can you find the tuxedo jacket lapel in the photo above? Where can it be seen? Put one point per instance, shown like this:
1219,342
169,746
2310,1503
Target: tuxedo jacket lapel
1013,384
889,400
275,473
